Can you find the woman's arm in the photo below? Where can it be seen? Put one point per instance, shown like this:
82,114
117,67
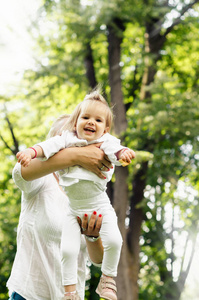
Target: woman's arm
90,157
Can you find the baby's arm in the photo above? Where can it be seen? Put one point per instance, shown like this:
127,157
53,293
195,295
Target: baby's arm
24,157
117,154
125,156
44,149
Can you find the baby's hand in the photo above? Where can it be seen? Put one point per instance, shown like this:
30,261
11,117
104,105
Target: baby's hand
125,156
24,157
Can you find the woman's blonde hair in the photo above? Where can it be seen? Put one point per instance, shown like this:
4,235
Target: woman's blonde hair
56,128
93,97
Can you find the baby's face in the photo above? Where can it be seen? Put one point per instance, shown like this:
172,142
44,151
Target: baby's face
91,123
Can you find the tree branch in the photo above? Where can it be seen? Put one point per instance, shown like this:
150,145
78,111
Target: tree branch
178,20
184,274
15,142
184,252
5,143
89,65
158,25
14,149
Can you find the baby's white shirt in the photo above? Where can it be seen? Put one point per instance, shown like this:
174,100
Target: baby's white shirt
110,145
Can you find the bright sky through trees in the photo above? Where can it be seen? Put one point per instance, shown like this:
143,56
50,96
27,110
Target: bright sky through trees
15,41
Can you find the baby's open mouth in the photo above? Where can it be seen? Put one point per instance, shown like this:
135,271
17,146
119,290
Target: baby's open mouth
89,129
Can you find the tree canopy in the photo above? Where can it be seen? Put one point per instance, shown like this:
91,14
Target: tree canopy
145,56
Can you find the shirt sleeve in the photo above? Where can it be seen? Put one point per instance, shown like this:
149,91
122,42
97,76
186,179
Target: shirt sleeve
57,143
111,145
23,185
53,145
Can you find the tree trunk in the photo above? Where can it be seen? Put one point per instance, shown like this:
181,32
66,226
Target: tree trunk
120,199
134,231
89,65
114,44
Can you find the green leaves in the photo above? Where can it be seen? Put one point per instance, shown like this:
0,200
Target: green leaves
162,127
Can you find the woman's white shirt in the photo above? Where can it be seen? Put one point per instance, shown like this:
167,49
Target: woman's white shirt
36,271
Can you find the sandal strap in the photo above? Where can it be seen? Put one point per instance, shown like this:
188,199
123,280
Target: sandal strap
75,297
108,282
72,296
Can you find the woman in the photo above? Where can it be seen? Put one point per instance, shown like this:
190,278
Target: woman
36,271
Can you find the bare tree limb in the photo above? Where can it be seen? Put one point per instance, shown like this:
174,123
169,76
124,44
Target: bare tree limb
184,274
158,25
15,147
15,142
5,143
184,252
179,20
89,65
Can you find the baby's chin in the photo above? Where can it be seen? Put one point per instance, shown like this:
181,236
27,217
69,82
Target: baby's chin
89,136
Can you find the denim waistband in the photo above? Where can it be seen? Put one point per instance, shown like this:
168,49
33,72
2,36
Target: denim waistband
16,296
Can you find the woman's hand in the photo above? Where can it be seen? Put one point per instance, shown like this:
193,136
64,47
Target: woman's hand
93,159
92,227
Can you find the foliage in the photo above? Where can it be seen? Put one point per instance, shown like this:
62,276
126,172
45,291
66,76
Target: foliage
92,283
164,130
10,208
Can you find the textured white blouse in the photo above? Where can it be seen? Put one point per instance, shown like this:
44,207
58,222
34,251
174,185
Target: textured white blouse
36,271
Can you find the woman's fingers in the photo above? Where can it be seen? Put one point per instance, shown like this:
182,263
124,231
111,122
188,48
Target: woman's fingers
106,162
90,227
84,225
79,221
98,224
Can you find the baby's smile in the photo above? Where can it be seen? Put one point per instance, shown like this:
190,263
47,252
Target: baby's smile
89,129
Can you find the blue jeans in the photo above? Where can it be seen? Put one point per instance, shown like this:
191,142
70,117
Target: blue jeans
16,296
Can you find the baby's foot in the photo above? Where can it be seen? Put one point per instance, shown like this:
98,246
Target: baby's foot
107,288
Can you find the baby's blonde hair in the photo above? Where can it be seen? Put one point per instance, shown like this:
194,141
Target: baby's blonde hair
93,96
57,126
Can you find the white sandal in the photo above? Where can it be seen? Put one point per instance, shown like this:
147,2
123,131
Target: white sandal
107,289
